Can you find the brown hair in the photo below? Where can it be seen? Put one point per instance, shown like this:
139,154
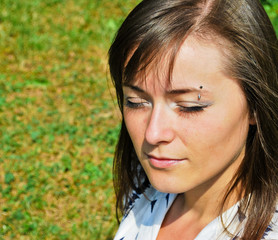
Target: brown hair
157,27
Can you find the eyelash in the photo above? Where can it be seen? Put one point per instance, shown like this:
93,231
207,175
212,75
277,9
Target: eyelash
191,109
133,105
185,111
182,109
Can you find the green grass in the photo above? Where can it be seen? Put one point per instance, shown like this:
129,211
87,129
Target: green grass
58,122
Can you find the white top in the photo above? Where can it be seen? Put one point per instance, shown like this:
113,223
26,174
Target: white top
147,211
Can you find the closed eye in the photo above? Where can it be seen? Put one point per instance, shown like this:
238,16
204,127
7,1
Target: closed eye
135,102
191,109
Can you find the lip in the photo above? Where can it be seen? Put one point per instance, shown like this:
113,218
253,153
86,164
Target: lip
163,162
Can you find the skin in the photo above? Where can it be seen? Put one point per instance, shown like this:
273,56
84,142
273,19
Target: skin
187,145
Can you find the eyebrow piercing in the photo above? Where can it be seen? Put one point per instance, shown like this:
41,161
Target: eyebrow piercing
199,95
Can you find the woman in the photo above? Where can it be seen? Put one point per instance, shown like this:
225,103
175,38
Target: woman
197,156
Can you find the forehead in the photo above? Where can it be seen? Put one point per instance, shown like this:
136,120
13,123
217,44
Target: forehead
195,61
198,60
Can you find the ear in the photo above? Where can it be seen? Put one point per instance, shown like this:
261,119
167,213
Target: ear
252,119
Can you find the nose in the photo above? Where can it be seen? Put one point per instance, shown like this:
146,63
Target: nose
160,128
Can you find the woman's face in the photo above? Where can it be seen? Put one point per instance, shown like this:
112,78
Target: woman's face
190,133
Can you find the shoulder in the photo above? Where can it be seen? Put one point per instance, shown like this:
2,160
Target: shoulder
148,201
272,230
144,215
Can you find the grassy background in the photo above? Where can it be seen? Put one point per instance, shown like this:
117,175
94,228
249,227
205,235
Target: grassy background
58,124
58,121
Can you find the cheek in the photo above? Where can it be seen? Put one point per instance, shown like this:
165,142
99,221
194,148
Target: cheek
228,142
213,136
135,124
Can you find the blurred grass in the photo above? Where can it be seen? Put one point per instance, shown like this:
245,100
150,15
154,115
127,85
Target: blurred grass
58,123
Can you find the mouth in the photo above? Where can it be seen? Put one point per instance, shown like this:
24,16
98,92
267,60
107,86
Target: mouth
163,162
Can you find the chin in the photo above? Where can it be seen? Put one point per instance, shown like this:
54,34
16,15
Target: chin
166,187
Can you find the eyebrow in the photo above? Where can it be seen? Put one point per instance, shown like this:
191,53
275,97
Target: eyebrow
169,92
135,88
182,91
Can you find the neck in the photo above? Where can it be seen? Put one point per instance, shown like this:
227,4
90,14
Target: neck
194,209
205,201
